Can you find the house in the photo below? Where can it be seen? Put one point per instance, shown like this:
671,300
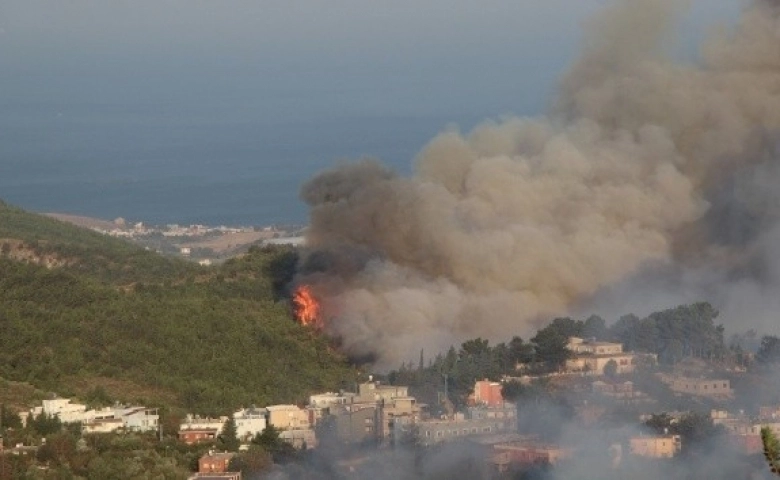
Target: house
250,422
215,462
655,446
591,357
487,393
103,420
526,453
356,423
285,417
139,419
198,435
300,438
715,389
63,409
321,405
103,425
482,421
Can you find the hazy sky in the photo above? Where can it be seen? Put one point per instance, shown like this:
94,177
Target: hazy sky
124,82
400,56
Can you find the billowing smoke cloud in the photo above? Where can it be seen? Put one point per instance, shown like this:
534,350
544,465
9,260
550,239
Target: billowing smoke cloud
643,165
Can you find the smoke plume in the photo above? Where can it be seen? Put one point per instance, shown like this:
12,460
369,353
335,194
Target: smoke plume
647,177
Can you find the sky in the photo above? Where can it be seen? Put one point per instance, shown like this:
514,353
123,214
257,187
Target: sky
345,78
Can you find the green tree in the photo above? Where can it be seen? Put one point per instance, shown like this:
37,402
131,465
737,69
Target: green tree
252,462
228,438
520,351
550,343
611,369
9,418
771,450
269,439
769,351
473,348
595,327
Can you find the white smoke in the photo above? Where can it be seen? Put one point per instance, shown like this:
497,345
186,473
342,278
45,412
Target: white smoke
641,162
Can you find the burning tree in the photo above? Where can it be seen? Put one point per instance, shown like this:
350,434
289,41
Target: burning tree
307,308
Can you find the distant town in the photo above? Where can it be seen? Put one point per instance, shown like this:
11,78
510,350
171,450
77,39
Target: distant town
201,243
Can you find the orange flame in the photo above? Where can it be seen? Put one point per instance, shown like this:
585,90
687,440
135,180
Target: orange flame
307,308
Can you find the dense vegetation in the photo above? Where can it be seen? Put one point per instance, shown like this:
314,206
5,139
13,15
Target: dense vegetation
114,317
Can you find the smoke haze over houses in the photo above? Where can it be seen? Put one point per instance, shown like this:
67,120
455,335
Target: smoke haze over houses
649,180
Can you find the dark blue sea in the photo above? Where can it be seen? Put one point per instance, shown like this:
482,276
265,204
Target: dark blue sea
185,168
190,164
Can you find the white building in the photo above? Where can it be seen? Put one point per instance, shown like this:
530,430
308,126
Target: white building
200,423
63,409
139,419
250,422
103,420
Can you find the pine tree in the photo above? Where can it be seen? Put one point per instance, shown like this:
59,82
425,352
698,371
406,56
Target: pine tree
228,439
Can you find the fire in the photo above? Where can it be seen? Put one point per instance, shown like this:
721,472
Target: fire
307,308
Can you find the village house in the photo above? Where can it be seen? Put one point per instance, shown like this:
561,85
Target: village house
487,393
590,357
196,429
104,420
356,423
198,435
293,424
323,404
655,446
215,462
250,422
623,391
527,453
300,438
287,417
431,432
715,389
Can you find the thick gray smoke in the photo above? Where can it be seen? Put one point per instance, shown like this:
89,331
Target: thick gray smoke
644,170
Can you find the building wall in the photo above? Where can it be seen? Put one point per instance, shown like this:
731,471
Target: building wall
436,431
299,438
698,386
216,463
530,454
191,437
142,420
357,426
488,393
285,417
655,446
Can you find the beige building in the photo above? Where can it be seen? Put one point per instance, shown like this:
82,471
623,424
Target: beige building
581,346
655,446
591,357
288,417
702,387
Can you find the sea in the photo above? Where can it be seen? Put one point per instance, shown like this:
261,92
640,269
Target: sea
193,163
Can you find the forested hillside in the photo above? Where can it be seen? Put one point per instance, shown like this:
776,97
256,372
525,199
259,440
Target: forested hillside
81,314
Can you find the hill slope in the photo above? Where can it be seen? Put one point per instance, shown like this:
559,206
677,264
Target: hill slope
80,311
